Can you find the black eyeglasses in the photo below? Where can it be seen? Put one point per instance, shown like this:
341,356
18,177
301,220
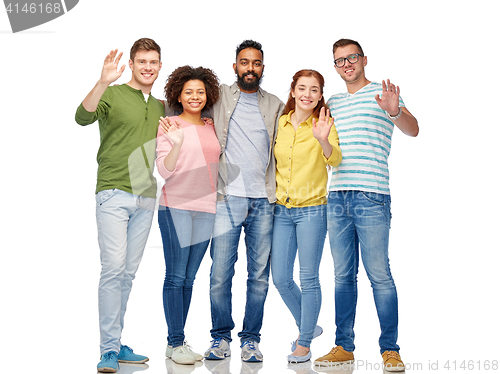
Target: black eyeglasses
351,58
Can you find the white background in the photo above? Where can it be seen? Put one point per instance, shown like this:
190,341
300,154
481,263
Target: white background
444,239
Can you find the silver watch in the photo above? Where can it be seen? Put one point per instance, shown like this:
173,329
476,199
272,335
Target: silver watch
397,115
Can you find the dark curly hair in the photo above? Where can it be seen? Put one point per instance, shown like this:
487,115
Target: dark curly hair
183,74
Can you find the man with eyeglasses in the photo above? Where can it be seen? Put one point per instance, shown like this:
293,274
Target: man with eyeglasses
359,201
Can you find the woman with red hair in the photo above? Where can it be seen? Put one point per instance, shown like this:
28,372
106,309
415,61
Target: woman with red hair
306,143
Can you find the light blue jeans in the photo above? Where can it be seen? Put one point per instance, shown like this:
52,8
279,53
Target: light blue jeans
123,224
360,222
255,216
185,235
303,229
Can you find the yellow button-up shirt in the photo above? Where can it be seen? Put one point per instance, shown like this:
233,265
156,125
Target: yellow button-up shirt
301,174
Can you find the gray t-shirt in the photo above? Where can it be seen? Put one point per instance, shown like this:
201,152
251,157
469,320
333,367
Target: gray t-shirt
248,149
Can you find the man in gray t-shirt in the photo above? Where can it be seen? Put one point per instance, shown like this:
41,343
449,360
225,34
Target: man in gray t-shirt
248,133
246,119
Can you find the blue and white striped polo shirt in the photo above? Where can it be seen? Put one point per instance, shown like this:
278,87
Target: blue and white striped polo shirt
365,133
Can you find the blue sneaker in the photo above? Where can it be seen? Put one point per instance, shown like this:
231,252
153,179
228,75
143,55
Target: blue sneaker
109,363
128,356
250,351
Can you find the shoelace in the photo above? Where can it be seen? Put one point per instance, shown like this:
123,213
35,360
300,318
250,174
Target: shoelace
393,354
127,349
183,349
216,343
334,350
109,355
250,345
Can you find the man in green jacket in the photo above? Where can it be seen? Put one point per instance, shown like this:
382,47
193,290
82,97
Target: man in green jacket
126,188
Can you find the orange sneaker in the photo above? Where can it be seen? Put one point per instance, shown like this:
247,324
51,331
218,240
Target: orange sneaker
392,361
336,356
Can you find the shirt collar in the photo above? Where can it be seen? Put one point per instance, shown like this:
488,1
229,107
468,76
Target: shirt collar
308,122
235,89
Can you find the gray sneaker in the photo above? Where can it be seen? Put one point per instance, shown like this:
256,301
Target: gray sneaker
250,351
219,350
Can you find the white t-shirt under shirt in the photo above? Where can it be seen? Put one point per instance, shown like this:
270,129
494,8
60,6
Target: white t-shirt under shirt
365,134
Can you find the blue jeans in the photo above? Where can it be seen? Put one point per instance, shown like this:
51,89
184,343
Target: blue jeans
303,229
185,235
123,224
255,216
360,222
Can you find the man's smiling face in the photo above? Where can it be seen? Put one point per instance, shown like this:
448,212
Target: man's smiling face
350,73
145,69
249,68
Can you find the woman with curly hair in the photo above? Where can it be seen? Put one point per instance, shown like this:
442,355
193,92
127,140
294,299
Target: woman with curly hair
187,157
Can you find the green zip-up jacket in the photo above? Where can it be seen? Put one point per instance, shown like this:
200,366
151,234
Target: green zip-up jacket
128,126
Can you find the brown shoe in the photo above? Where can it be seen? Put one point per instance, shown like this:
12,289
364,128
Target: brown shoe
336,356
392,361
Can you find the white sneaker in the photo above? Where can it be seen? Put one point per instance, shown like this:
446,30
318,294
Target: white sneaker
181,355
196,356
169,351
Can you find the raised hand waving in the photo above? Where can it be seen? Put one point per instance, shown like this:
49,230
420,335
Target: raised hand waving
110,71
390,98
321,128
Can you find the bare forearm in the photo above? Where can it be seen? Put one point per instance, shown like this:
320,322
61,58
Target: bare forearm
92,99
407,123
170,161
